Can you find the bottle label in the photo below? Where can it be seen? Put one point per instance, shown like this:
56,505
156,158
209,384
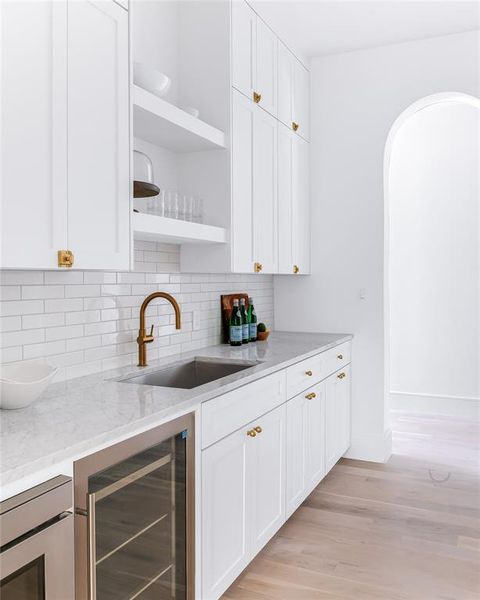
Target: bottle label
236,333
253,330
246,331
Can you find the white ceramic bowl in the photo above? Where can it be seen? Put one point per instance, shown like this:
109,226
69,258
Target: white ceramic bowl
150,79
191,110
22,383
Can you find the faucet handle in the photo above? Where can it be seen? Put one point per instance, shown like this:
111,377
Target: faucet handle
149,338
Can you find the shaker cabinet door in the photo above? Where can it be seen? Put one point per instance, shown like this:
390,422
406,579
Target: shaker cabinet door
286,139
244,39
301,100
337,422
265,228
301,206
224,499
295,453
266,474
98,135
266,72
285,85
34,133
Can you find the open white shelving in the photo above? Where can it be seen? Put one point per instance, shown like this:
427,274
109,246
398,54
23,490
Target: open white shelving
159,122
161,229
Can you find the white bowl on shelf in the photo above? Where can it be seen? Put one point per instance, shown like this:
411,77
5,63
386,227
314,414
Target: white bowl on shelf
150,79
22,383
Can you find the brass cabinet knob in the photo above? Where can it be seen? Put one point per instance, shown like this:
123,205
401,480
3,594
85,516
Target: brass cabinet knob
257,267
341,375
252,433
309,373
311,396
295,126
65,259
340,356
257,97
296,269
258,429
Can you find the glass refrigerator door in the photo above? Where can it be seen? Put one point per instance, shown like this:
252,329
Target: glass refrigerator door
137,521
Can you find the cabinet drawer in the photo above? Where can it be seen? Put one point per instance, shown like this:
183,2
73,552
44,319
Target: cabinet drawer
227,413
310,371
337,357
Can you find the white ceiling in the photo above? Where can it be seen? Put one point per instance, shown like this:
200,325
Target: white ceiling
316,27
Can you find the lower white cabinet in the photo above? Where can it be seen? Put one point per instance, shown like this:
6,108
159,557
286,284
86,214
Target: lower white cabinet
337,416
257,471
243,505
305,455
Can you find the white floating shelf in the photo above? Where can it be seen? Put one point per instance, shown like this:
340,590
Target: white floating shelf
161,123
160,229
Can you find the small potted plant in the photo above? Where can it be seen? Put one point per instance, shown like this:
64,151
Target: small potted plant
262,332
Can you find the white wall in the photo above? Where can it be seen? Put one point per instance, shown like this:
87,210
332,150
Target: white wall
356,97
434,258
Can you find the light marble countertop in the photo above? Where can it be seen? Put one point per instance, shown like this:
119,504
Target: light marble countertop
80,416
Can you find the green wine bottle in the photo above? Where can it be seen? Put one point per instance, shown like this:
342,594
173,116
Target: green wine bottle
252,321
235,325
245,322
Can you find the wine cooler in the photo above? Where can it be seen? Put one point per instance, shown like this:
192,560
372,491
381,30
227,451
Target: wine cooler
134,517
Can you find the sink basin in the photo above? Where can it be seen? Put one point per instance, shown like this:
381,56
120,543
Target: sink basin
191,374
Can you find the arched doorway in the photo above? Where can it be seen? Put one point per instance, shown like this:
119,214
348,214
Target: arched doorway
432,260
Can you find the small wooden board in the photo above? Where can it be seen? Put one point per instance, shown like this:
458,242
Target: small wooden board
226,301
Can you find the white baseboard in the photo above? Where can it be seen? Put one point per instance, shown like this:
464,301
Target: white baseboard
372,448
455,406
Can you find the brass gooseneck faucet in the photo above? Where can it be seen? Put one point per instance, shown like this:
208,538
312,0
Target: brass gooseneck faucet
143,339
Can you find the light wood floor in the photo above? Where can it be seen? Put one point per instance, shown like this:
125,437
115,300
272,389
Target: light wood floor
406,530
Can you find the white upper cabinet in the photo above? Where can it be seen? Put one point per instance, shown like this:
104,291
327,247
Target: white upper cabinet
301,100
266,72
265,231
293,203
65,134
244,40
98,135
254,57
34,133
242,184
293,92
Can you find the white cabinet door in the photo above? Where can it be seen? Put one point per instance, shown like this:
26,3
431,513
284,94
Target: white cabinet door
285,84
244,36
266,479
293,203
295,453
98,135
301,100
305,445
242,184
285,199
34,133
337,422
224,496
315,436
265,229
301,206
266,72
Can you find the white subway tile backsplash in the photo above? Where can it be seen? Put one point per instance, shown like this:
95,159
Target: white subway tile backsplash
84,322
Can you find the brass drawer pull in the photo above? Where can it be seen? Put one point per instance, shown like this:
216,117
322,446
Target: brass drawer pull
252,433
341,375
258,429
309,373
340,357
311,396
257,97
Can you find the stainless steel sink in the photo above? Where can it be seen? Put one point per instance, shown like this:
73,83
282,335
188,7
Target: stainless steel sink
191,374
